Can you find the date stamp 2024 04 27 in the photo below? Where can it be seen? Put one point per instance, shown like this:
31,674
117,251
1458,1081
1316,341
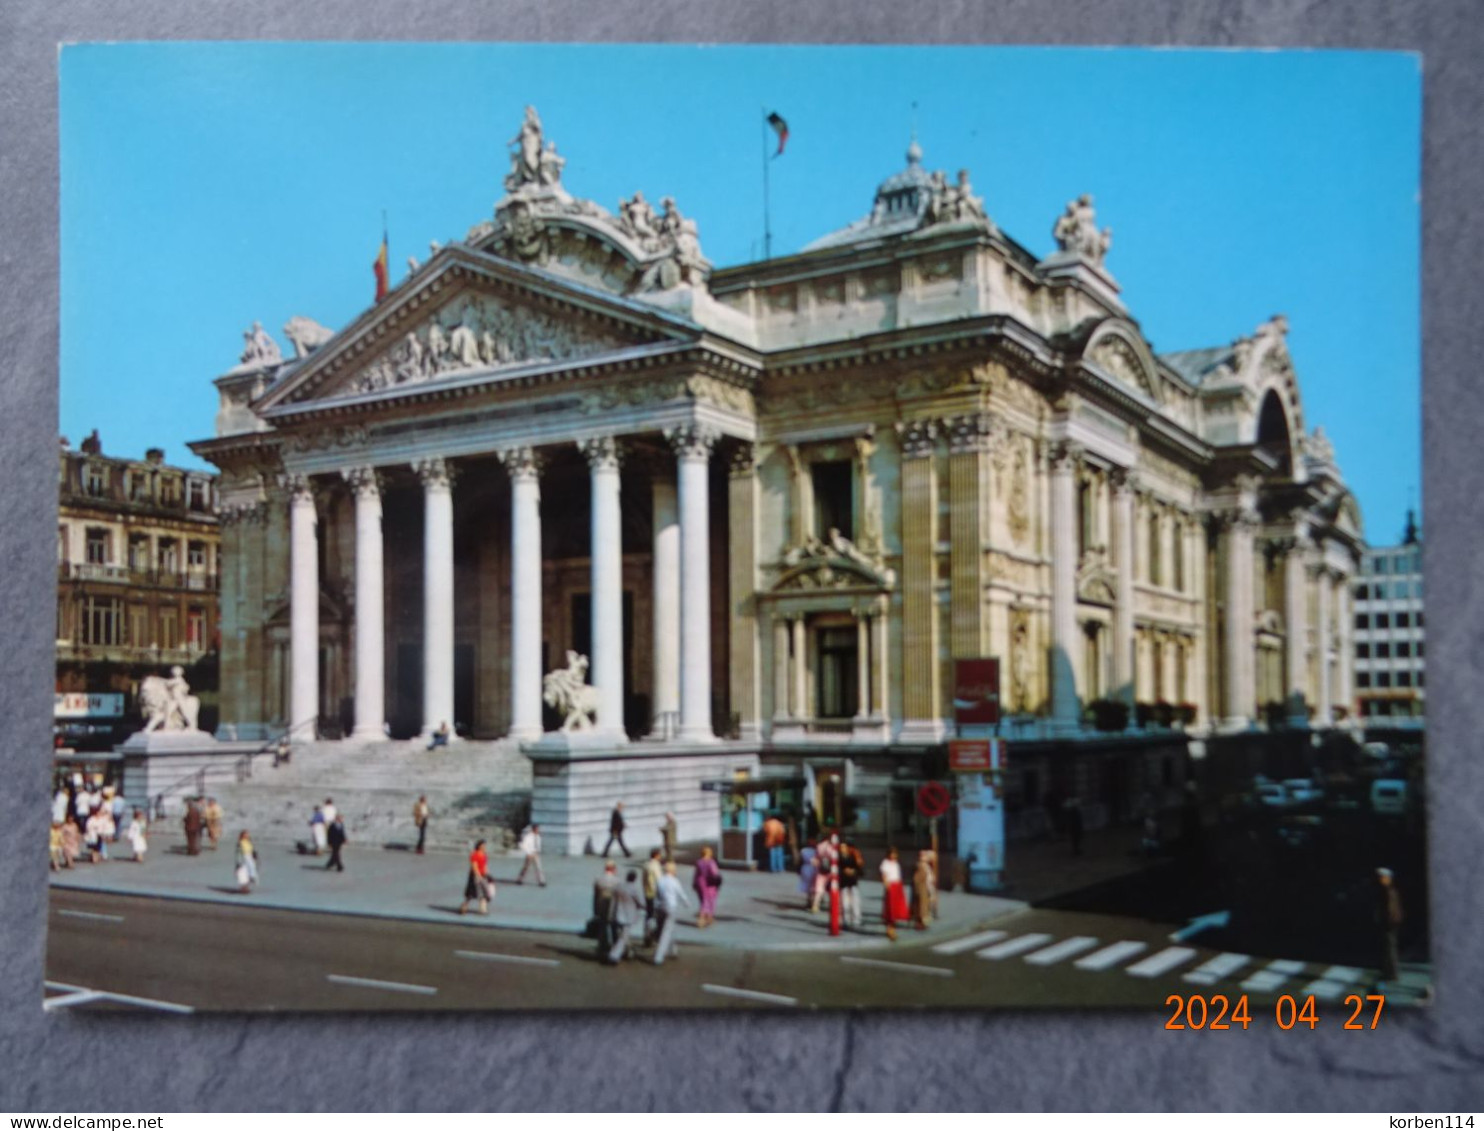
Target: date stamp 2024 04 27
1196,1011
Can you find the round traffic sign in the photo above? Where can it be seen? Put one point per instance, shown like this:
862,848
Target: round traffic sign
933,799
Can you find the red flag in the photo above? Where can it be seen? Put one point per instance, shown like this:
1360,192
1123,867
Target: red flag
780,127
380,268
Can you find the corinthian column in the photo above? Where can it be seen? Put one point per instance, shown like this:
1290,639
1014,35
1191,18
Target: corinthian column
437,594
1296,625
1124,485
607,585
666,606
303,610
370,630
1323,646
692,444
524,469
1064,705
1239,659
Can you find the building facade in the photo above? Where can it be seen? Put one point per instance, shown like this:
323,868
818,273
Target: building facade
1390,662
774,502
137,561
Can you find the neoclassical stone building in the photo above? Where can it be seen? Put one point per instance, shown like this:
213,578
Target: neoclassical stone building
773,502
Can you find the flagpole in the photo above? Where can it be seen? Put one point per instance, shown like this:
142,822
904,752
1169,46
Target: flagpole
767,224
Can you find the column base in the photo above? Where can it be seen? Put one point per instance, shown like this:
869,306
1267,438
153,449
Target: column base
372,733
560,741
788,730
1234,723
694,735
870,731
524,733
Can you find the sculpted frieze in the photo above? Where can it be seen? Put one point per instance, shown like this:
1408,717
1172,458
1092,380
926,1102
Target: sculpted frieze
1012,571
478,332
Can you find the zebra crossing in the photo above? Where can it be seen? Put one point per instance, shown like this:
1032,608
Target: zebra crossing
1138,959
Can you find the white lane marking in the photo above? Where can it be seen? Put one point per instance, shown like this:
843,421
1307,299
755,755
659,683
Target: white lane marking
90,915
1325,990
941,971
1287,966
517,959
1064,949
958,946
377,984
1273,975
1012,947
1157,964
1343,974
753,995
80,995
1222,966
1110,955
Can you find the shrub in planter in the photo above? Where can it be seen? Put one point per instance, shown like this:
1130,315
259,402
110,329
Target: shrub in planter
1185,713
1108,714
1164,714
1143,713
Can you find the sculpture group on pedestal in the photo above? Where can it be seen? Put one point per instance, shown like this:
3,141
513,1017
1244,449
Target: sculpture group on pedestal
567,691
1076,231
167,704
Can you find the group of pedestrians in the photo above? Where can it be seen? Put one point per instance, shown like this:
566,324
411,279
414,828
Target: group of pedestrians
89,817
650,900
835,861
202,815
327,834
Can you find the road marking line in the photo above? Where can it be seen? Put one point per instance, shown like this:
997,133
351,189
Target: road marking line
1343,974
1273,975
1015,946
1325,990
79,995
68,1000
518,959
1287,966
1222,966
941,971
1110,955
1165,960
376,984
755,995
91,915
1064,949
958,946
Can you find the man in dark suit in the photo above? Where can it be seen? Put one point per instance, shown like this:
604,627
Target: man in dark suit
616,827
336,838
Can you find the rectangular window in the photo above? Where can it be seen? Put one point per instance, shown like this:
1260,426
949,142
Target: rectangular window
1404,649
169,490
97,546
1419,616
1362,679
102,620
139,626
1177,536
834,501
1383,620
61,544
139,553
1381,590
199,494
1403,620
1417,588
1383,679
1383,651
1404,679
1420,646
1363,651
168,635
1362,591
1156,550
1421,679
196,630
95,482
169,560
1362,620
196,555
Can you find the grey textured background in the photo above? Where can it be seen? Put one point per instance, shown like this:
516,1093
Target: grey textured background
846,1061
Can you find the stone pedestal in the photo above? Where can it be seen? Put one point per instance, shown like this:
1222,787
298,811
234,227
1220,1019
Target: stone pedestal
178,764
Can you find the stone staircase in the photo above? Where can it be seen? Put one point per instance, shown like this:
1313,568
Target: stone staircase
475,789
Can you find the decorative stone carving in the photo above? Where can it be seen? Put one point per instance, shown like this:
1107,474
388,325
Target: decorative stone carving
521,462
601,452
326,439
1020,660
1019,512
167,704
636,219
1118,357
679,247
818,563
259,348
1317,448
534,163
436,473
306,334
917,437
742,460
1065,455
1076,231
247,514
693,440
364,481
568,692
297,487
952,203
482,333
526,235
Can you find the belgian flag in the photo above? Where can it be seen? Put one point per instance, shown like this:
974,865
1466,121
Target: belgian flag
780,127
380,268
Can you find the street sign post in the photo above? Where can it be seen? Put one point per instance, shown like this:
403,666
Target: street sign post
981,810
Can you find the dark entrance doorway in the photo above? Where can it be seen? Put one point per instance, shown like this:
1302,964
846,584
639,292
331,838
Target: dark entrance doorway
836,673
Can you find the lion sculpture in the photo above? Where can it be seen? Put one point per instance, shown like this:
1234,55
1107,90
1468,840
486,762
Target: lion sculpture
167,704
568,691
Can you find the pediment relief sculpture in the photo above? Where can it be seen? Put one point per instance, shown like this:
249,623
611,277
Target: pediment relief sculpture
1121,362
477,332
834,562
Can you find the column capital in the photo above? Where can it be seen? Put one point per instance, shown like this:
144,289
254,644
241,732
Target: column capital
365,482
974,432
1125,480
1065,455
742,459
601,452
692,440
1234,518
917,437
522,462
298,487
247,513
436,473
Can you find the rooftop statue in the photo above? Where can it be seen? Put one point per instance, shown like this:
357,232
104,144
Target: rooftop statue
1076,230
535,163
259,348
306,334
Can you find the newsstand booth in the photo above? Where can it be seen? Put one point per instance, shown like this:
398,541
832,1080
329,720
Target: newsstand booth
744,805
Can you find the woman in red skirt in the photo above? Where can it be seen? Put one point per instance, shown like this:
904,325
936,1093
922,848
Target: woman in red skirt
894,896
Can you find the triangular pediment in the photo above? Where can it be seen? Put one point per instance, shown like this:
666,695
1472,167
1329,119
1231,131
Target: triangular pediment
465,315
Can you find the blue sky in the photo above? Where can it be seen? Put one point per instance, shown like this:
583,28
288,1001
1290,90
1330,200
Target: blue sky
208,185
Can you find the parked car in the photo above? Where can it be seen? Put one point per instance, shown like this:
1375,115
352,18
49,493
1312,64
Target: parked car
1389,795
1273,794
1301,791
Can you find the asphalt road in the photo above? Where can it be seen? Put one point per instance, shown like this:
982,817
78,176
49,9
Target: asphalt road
110,952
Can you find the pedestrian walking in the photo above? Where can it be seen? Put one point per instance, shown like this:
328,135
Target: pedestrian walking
605,888
669,836
670,899
654,871
213,816
707,882
318,830
530,845
107,828
55,849
1389,918
71,843
616,826
61,805
852,868
246,863
478,885
336,838
194,822
893,895
116,812
138,830
775,836
628,912
924,889
824,867
808,869
420,815
1072,821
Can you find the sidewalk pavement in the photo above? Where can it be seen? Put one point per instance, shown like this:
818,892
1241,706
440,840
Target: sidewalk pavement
755,910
